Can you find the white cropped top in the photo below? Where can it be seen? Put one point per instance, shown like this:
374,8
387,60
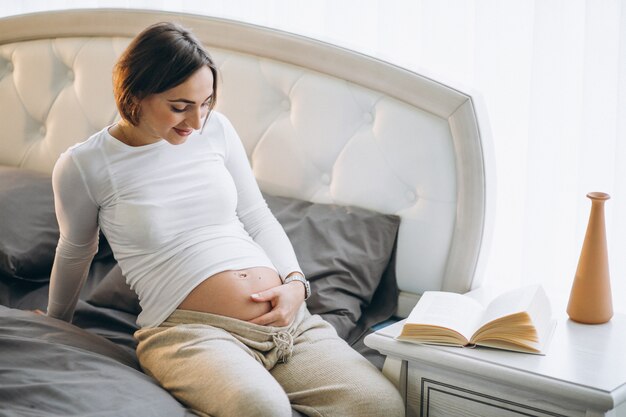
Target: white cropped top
173,215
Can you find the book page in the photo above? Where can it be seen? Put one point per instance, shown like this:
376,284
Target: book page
447,310
515,301
521,345
519,320
540,313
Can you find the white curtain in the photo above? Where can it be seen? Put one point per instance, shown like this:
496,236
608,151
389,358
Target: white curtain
553,76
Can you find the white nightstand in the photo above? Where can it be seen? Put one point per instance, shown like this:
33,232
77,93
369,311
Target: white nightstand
582,374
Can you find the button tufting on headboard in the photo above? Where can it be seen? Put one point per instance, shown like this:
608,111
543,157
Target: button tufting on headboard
313,127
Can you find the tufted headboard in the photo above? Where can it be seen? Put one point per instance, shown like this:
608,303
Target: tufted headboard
319,123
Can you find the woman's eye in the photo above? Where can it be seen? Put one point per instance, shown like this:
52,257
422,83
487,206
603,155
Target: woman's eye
177,110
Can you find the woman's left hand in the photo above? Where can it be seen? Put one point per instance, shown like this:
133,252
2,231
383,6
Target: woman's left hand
285,299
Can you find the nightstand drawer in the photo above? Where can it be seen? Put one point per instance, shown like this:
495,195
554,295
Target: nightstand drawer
436,393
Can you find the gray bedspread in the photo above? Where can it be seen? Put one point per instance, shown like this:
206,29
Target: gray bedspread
36,353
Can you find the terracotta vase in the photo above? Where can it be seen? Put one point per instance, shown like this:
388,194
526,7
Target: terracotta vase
590,300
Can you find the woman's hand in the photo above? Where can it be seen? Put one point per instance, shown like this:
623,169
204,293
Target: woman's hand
285,299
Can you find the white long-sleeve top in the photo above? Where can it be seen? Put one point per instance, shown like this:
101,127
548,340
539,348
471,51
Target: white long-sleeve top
173,215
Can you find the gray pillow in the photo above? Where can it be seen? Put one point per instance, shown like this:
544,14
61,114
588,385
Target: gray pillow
344,251
113,292
28,227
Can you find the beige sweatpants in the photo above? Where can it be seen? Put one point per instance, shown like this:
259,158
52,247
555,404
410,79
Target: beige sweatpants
221,367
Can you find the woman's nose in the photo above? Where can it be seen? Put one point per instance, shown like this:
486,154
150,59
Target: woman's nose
195,119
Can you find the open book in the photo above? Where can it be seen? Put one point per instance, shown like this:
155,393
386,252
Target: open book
518,320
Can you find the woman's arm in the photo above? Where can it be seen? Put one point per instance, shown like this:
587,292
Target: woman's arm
261,224
77,215
252,209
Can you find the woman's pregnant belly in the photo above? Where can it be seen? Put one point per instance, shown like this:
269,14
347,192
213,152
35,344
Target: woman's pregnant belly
228,293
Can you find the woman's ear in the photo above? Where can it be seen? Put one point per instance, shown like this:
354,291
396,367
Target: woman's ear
135,111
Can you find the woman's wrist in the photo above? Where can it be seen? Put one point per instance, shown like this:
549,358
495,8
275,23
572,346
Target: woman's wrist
299,277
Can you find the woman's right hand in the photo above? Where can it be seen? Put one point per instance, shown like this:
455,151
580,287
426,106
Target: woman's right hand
285,299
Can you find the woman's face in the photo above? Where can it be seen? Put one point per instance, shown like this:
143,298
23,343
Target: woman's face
175,113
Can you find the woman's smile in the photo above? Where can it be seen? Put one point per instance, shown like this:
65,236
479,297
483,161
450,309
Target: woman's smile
183,132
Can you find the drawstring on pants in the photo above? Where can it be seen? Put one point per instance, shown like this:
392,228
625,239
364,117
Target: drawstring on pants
284,344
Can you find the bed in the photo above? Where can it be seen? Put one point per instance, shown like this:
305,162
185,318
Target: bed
381,177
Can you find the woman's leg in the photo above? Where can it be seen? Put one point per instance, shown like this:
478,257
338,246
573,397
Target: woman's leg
210,371
326,377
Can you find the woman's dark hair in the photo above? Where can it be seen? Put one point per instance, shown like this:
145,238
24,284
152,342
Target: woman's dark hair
161,57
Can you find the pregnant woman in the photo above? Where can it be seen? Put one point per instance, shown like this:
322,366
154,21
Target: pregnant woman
224,327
